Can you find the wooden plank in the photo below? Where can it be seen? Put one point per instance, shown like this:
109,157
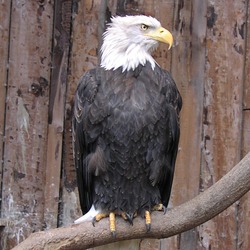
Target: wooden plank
83,57
4,55
56,111
222,112
26,118
243,241
188,65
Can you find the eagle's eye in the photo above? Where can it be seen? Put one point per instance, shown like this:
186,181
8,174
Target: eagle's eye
144,27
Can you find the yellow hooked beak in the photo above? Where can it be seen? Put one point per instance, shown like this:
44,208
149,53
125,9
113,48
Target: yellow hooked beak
162,35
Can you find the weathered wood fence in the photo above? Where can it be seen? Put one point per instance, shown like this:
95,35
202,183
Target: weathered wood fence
46,45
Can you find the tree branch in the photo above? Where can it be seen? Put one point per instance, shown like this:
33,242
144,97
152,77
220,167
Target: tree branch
179,219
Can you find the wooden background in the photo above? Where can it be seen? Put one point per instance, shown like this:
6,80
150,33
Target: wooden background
46,45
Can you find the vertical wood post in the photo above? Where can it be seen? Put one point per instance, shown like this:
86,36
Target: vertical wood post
26,118
62,29
243,241
5,19
188,65
222,111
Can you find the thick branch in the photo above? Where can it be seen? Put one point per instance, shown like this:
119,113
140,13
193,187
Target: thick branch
179,219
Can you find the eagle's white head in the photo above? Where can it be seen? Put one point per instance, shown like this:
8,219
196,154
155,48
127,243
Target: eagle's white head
129,41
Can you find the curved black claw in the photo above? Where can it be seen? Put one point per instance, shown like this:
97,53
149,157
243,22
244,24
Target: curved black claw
130,218
113,233
94,221
148,227
164,209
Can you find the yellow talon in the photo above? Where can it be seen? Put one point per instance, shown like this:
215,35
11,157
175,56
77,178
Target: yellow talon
147,217
158,207
124,216
148,220
112,223
98,217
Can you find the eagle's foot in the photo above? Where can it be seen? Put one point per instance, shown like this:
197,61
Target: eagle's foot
123,215
160,207
98,217
111,216
148,220
112,224
128,217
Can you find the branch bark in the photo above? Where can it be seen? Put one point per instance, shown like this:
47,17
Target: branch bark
179,219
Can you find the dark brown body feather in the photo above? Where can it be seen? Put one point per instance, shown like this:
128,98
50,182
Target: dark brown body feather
126,133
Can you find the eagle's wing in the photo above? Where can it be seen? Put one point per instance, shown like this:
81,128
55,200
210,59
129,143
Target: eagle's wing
83,137
174,106
166,179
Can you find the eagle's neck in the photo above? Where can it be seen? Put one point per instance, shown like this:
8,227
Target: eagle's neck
119,52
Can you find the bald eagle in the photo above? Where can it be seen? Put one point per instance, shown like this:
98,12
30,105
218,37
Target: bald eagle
126,125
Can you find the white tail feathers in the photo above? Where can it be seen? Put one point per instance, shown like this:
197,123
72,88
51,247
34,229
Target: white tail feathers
88,216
